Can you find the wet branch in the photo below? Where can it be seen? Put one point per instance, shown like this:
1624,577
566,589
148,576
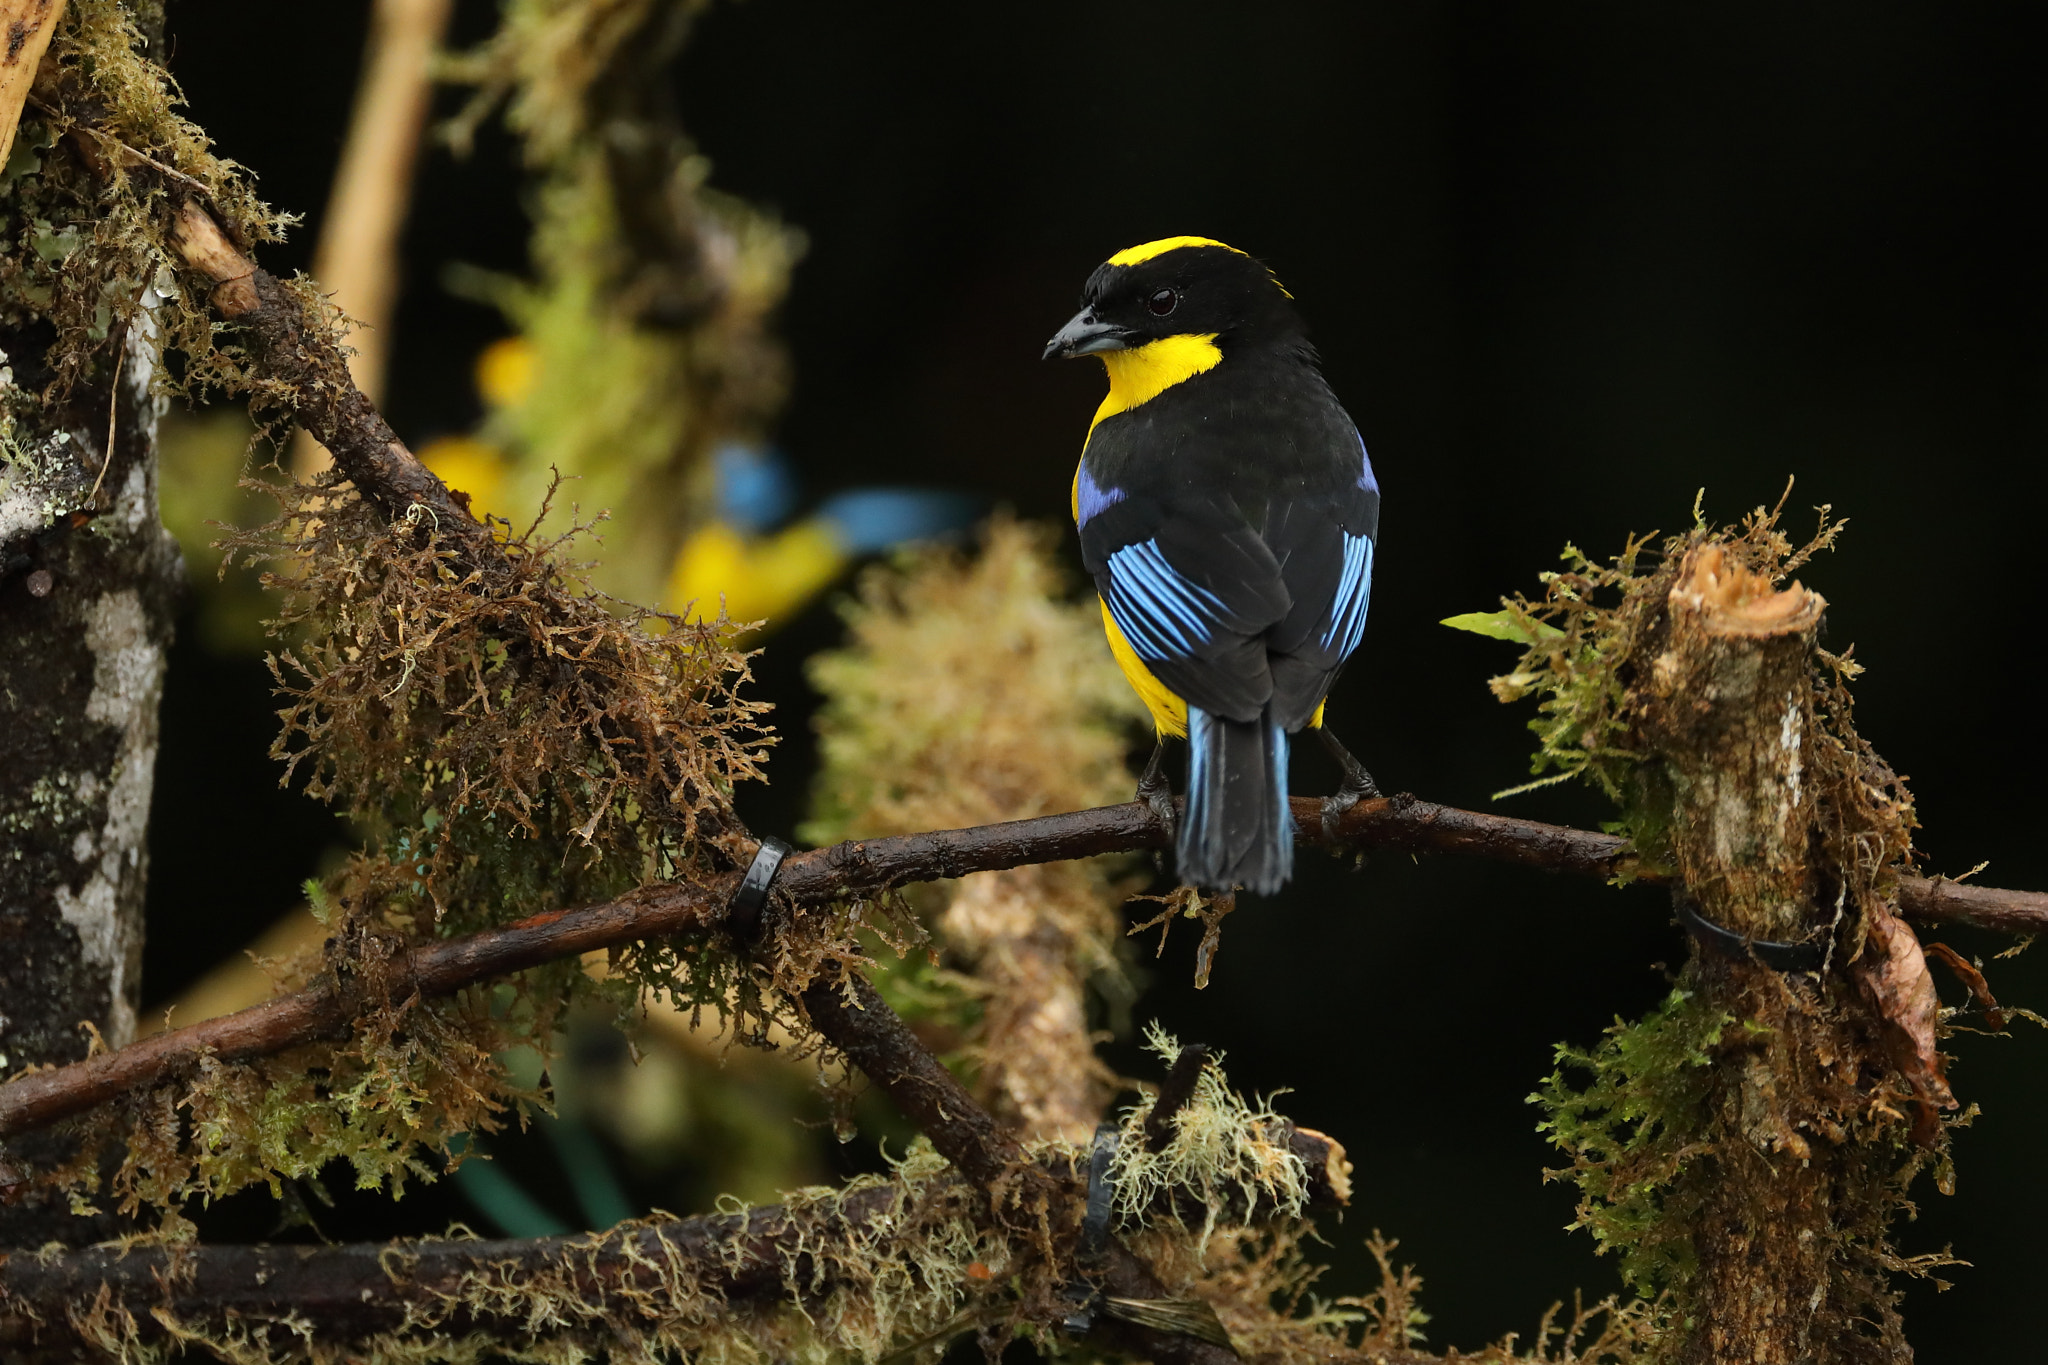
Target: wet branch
859,867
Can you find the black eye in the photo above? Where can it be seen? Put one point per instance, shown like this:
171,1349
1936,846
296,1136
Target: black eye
1162,302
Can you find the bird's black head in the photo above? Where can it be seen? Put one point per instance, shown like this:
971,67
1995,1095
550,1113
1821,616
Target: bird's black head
1178,287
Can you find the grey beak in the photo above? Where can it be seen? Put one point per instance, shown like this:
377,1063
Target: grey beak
1083,335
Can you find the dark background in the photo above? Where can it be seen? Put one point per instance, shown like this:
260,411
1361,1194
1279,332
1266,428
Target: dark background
1567,265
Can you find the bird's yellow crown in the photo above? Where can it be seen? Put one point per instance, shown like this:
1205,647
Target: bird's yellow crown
1136,255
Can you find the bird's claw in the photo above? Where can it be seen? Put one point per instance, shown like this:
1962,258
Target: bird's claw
1358,786
1157,794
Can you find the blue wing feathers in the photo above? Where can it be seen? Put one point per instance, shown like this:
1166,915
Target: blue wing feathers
1162,612
1346,624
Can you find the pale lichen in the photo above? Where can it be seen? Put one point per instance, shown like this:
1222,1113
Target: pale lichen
1221,1147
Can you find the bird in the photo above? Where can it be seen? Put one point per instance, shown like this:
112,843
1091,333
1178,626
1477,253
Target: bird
1228,515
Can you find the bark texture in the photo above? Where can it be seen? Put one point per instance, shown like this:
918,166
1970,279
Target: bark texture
88,588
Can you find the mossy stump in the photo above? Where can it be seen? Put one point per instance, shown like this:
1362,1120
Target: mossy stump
1795,1165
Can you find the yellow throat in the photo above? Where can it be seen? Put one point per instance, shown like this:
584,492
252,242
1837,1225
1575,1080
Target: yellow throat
1142,373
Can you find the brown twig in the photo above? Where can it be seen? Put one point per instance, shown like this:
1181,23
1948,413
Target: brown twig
822,875
113,415
848,1013
1973,980
299,354
37,1098
1937,900
1174,1093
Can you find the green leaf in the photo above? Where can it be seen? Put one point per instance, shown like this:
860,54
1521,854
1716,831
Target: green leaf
1503,625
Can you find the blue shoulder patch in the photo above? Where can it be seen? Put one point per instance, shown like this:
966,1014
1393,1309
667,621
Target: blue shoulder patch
1090,497
1366,478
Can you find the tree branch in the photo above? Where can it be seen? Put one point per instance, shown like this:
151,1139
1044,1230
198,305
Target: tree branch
819,876
351,1292
849,1014
299,352
636,1279
623,1278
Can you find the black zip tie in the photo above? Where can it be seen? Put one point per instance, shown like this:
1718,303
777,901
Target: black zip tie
743,912
1725,942
1186,1317
1095,1222
1084,1298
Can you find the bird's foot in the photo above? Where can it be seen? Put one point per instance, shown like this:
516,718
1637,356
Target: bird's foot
1157,793
1358,784
1348,795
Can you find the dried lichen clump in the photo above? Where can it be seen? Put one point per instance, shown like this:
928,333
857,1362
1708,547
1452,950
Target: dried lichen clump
1262,1287
1745,1148
970,693
1217,1211
507,740
507,745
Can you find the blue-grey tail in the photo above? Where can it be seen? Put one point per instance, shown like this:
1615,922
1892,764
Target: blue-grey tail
1237,829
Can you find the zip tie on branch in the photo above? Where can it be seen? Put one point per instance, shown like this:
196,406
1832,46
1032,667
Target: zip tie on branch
1725,942
743,915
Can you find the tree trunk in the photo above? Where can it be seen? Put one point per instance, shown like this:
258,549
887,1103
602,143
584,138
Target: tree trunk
1790,1174
86,605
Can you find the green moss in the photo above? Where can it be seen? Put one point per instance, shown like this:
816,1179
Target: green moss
1629,1114
87,201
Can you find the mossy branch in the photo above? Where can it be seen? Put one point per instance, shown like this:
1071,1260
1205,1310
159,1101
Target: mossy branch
299,355
821,876
660,1281
671,1282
